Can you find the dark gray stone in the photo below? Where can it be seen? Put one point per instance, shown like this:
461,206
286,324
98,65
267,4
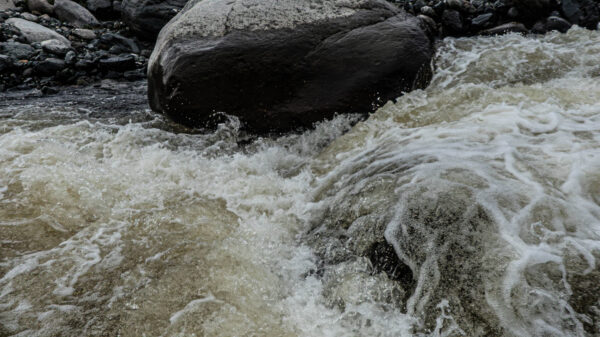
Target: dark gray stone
117,63
584,13
71,57
118,44
84,64
55,47
285,64
75,14
418,5
513,13
556,23
6,5
49,67
84,34
431,25
5,62
539,28
532,6
16,50
101,8
147,17
511,27
134,75
452,22
483,20
426,10
34,32
29,17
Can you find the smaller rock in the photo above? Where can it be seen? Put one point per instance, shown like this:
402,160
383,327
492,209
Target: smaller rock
571,10
418,5
452,22
556,23
49,66
64,75
99,5
146,53
74,13
83,80
118,63
429,11
5,62
483,20
34,32
455,4
84,64
85,34
29,17
55,47
511,27
6,5
119,44
40,6
70,57
439,7
430,24
49,90
539,28
134,75
16,50
513,13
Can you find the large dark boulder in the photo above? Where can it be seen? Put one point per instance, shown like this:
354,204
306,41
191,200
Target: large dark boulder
147,17
285,64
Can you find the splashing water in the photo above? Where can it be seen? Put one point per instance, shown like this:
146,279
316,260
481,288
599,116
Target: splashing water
470,208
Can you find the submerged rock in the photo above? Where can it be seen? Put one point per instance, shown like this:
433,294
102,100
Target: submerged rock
284,65
147,17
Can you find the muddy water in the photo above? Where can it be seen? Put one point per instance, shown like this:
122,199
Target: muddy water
470,208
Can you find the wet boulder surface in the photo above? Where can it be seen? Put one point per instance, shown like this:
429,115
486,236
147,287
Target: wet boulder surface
287,64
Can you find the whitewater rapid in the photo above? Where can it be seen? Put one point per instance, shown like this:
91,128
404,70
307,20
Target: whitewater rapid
470,208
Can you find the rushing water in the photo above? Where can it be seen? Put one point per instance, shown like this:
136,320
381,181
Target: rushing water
486,185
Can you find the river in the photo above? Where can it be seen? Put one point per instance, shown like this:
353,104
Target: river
470,208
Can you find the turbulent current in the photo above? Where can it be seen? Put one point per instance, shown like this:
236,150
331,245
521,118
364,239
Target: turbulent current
470,208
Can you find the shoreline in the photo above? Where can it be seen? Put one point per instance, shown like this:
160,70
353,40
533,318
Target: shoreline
111,49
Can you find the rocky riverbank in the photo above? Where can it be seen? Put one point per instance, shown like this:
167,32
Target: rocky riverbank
45,46
481,17
49,44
